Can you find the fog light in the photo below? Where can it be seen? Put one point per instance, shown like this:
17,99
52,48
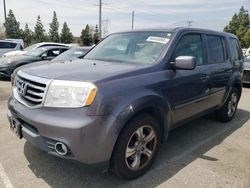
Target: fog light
61,148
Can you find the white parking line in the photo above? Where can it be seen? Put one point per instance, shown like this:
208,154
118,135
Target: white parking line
5,177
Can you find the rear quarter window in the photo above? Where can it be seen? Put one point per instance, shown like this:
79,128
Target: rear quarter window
235,49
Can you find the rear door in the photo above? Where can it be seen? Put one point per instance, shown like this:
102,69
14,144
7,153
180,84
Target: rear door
219,69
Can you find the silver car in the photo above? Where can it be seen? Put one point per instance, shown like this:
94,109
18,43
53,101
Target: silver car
8,46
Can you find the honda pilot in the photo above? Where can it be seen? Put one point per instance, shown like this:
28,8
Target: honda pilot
115,107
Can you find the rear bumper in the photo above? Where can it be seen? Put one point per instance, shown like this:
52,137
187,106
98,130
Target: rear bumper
90,139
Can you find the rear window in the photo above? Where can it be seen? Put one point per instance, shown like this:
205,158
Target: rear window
7,45
216,53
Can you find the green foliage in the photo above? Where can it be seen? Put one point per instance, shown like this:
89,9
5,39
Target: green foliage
26,35
39,34
86,36
12,29
239,26
2,33
66,35
53,31
96,35
247,38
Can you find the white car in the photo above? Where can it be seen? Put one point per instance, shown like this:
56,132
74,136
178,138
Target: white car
9,46
32,47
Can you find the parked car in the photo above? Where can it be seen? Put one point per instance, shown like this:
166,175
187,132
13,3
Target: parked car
34,46
114,108
9,64
20,41
72,54
8,46
246,73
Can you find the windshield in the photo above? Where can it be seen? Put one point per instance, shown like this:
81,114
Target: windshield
136,47
71,54
36,52
31,47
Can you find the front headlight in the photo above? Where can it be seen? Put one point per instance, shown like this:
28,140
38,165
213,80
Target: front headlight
70,94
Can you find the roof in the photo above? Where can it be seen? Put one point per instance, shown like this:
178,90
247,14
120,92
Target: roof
180,29
53,47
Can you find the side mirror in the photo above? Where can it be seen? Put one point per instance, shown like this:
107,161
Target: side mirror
185,62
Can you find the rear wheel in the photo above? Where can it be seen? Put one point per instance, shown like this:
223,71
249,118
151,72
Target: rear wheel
136,147
228,110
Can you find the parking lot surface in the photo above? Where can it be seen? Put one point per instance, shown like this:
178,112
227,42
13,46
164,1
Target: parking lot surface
202,153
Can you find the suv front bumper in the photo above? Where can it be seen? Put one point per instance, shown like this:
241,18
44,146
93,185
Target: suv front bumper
90,139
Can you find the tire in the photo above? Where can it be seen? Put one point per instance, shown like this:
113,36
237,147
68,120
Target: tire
136,147
228,110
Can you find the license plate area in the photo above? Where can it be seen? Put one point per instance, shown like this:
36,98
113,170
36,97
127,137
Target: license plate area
16,127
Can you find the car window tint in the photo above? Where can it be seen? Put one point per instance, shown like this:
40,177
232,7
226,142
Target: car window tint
235,49
190,45
7,45
215,49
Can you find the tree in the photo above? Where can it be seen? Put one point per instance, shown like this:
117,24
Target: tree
86,36
247,38
12,29
239,25
96,35
39,34
26,35
233,25
66,35
2,32
53,31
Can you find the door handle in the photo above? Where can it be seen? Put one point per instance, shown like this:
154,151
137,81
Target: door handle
204,77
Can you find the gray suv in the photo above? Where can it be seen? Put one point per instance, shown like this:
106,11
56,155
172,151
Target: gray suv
115,107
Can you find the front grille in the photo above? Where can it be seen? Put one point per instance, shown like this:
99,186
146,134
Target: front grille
29,90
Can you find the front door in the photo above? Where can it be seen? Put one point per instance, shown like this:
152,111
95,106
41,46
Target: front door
189,90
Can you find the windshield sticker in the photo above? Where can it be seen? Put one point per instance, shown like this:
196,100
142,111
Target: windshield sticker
158,39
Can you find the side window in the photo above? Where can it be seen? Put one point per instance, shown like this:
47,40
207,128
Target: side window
235,49
56,52
190,45
216,53
7,45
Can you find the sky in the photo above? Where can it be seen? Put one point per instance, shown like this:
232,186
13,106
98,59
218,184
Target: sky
117,14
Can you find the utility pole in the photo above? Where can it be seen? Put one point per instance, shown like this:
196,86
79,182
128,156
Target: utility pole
133,17
100,19
4,7
189,22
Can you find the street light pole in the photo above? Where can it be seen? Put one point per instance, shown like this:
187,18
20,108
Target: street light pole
133,17
100,19
4,7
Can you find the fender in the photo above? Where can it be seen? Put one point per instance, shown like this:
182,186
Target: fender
234,81
139,103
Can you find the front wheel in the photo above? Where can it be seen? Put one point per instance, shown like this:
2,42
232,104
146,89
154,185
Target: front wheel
228,110
136,147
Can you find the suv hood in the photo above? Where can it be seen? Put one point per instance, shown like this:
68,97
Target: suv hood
79,70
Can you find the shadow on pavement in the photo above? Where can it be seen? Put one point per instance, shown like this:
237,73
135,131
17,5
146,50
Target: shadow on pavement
185,144
5,79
